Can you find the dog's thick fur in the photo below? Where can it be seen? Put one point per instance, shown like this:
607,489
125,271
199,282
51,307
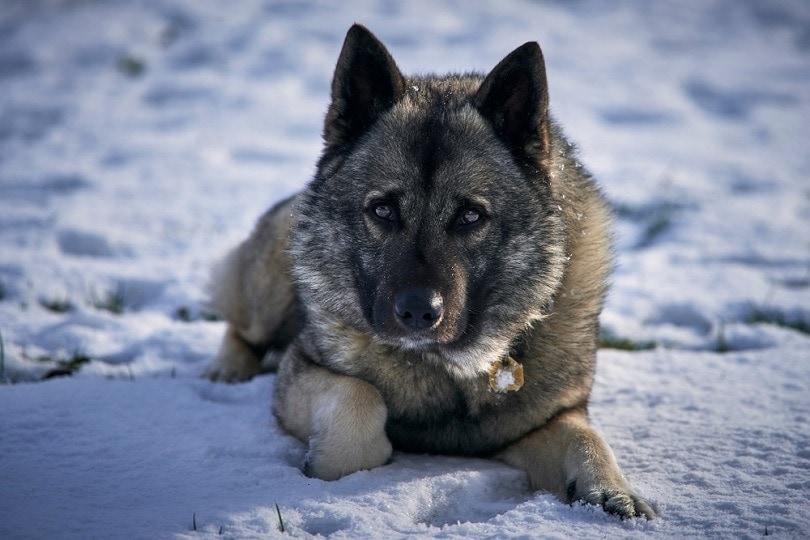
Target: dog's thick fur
449,227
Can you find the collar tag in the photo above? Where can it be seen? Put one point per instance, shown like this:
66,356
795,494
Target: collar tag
506,375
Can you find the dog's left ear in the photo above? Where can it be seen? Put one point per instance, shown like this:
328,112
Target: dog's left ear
367,82
514,98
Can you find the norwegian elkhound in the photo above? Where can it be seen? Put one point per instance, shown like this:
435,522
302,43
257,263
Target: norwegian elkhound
437,286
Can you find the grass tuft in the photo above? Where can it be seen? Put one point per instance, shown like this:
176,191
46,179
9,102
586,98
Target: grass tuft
2,360
280,521
771,316
183,314
723,346
113,301
210,316
57,305
609,340
65,366
131,66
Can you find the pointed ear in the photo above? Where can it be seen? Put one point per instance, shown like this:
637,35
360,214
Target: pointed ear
367,82
514,98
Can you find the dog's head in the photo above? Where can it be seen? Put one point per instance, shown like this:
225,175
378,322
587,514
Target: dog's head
429,223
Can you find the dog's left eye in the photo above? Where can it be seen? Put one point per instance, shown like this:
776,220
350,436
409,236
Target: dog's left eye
469,217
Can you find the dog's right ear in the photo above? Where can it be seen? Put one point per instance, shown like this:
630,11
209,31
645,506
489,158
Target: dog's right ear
367,82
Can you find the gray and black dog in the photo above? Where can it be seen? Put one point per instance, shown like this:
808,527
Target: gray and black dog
437,286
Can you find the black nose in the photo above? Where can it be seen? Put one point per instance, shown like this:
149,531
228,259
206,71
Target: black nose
418,308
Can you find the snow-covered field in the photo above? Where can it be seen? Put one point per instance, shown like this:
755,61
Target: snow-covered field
140,140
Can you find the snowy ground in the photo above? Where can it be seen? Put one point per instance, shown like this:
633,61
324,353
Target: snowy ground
138,141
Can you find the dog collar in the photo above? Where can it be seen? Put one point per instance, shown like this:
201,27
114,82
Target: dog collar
506,375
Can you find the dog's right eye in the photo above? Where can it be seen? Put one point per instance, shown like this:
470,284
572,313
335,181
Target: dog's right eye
384,211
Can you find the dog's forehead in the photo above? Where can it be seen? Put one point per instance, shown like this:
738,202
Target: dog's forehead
425,148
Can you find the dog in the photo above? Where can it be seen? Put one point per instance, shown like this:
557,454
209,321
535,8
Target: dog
436,287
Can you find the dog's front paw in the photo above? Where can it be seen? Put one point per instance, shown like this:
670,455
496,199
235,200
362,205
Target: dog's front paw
236,361
330,459
230,371
617,499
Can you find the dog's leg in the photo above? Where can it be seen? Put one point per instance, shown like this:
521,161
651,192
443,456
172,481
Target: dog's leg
236,360
342,418
568,458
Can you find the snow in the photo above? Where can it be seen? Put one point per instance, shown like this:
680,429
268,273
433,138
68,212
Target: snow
139,141
503,380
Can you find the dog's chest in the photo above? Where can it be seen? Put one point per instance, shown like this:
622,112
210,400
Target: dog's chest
421,393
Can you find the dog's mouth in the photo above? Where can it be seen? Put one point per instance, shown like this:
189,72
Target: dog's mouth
416,343
420,341
466,355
